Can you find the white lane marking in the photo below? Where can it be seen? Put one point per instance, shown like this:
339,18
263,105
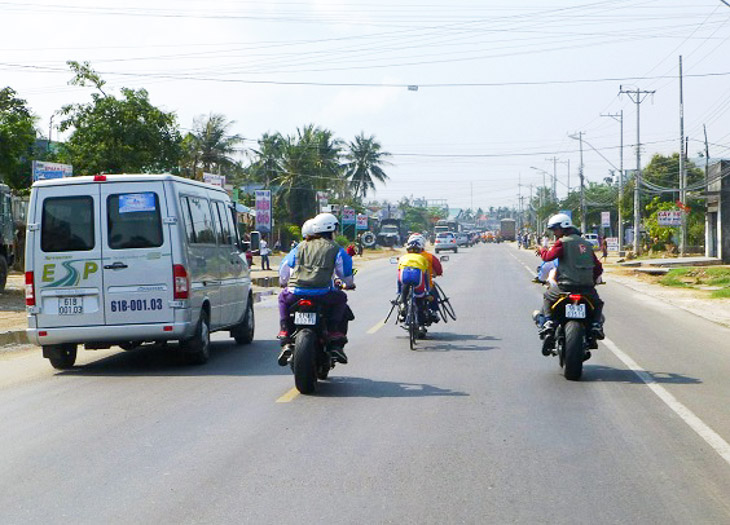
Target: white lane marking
377,327
532,271
711,437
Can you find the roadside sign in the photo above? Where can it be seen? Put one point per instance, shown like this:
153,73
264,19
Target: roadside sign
606,219
263,210
50,170
612,243
349,216
669,218
362,221
215,180
569,213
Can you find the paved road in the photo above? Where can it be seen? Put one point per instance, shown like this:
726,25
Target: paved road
474,427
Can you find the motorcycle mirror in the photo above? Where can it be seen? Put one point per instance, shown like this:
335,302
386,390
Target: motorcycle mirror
394,260
444,258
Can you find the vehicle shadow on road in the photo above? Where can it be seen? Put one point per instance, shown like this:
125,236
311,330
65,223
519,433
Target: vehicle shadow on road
226,359
451,342
601,373
362,387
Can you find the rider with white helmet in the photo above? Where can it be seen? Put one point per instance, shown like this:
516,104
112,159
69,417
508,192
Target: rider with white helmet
578,270
309,271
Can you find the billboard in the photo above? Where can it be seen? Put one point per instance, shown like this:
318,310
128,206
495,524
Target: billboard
263,211
606,219
349,216
50,170
362,222
215,180
669,218
322,200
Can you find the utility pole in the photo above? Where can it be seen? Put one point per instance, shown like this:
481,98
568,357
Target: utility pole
567,162
582,187
50,130
682,174
620,118
555,177
471,197
637,97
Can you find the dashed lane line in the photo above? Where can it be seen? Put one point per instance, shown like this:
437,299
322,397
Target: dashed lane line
710,437
289,396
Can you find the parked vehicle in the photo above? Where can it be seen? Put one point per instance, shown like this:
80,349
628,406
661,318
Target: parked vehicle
591,238
508,229
7,234
392,232
128,259
445,241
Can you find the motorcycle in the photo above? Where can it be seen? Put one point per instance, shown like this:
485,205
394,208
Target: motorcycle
311,357
572,339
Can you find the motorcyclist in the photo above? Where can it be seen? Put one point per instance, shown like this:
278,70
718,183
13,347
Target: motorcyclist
578,271
309,271
411,269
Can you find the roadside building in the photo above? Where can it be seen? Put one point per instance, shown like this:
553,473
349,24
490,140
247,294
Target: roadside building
717,221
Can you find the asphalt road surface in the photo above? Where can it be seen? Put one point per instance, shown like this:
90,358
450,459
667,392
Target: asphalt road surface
475,426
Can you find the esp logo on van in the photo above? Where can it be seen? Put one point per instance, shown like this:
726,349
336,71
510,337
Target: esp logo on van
72,276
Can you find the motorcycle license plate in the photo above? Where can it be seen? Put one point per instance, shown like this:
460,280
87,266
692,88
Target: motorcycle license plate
575,311
305,318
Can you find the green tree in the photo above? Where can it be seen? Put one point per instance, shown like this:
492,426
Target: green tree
268,158
117,135
211,146
364,164
17,136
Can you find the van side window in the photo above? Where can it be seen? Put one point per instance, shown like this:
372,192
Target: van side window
133,221
67,224
201,220
226,235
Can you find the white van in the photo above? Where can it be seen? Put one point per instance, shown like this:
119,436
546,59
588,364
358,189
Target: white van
127,259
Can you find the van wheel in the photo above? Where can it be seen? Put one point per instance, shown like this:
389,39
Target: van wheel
3,272
243,332
62,357
197,348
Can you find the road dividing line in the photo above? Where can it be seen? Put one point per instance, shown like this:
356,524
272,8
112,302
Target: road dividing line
291,394
377,327
711,437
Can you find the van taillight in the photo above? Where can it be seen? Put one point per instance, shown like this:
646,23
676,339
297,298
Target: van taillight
182,283
29,289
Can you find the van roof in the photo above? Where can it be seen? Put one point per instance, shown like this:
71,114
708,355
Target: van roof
124,177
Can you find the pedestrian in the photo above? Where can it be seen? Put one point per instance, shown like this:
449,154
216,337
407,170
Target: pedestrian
277,245
604,249
264,252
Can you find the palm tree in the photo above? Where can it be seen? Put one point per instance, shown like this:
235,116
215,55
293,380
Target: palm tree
210,145
267,159
365,162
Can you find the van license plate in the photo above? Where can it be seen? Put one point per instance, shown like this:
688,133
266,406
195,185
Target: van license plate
575,311
70,305
305,318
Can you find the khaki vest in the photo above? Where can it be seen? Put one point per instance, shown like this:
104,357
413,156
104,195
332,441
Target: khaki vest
576,265
315,264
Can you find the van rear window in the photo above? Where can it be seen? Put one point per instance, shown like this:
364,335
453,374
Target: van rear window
134,221
67,224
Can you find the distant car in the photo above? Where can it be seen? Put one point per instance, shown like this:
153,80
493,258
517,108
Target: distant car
591,238
445,241
462,239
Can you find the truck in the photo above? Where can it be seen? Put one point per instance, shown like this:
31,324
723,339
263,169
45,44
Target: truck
507,229
391,232
444,226
7,234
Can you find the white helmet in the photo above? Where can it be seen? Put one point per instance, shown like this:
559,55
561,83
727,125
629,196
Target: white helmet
323,223
307,228
416,240
560,220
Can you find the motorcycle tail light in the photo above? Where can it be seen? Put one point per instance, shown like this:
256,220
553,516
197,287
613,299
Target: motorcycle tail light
305,302
575,297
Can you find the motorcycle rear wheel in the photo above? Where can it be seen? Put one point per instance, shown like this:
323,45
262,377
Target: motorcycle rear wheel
303,362
574,350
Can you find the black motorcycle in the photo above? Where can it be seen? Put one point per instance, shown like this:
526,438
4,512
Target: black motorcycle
572,339
311,357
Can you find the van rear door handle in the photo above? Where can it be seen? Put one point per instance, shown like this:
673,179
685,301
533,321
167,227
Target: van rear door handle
116,266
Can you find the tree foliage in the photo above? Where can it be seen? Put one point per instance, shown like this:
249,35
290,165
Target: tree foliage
17,136
118,135
210,146
364,164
